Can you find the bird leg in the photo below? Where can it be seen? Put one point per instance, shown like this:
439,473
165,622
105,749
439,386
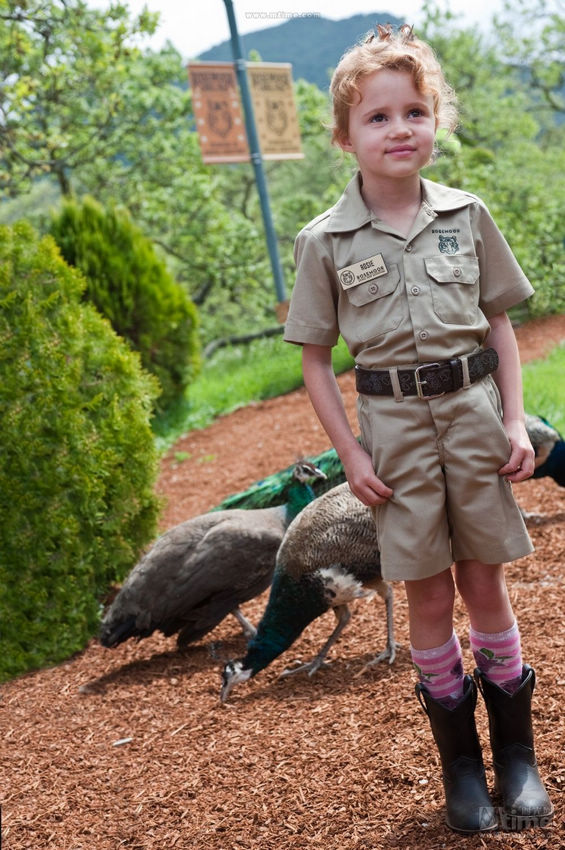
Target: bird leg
343,616
249,630
385,592
531,516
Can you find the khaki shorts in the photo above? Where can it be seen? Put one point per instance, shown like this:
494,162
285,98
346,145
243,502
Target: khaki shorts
441,457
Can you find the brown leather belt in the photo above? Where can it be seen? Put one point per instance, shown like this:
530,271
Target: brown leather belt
430,379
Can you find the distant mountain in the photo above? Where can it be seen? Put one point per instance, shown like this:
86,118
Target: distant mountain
313,45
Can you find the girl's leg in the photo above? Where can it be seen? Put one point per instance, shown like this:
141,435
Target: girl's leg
430,609
449,701
494,635
507,687
484,592
434,646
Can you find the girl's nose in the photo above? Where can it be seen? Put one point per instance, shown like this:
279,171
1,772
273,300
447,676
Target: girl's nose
399,129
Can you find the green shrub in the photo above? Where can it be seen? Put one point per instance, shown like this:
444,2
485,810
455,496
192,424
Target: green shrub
78,461
130,285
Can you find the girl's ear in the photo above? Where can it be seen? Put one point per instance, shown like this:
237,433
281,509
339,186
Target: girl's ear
345,143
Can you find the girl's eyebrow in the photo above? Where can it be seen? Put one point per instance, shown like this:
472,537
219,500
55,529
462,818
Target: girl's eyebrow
415,104
373,110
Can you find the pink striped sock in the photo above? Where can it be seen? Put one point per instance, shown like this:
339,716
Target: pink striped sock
499,656
441,671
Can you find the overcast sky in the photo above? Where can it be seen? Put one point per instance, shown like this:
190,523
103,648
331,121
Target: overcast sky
195,25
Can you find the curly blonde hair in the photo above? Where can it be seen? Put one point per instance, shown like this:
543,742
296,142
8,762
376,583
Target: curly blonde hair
398,50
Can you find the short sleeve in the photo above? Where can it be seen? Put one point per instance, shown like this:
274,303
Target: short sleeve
312,315
503,283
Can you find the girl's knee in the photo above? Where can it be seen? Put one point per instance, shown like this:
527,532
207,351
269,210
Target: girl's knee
431,599
484,592
480,583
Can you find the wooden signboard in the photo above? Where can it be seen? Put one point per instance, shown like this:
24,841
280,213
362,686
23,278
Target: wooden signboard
218,113
276,120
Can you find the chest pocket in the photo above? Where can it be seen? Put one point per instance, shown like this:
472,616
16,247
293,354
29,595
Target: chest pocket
455,288
379,309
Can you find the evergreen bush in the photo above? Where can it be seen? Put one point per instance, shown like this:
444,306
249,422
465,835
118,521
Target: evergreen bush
130,285
78,462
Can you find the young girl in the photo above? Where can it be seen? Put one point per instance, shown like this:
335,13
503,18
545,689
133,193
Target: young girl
417,279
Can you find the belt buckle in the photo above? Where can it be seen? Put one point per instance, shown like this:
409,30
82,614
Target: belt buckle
420,383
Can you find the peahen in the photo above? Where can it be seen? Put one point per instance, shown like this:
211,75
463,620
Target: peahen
203,569
328,558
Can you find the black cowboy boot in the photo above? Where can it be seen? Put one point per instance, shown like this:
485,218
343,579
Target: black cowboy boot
525,800
468,805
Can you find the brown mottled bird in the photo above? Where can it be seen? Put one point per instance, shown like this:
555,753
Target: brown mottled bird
329,557
203,569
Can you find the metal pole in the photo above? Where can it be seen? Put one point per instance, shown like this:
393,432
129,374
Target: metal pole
255,152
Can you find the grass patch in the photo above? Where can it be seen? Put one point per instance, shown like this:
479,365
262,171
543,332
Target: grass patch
544,387
234,377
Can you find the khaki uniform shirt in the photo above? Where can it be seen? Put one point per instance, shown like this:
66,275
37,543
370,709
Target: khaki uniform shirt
400,301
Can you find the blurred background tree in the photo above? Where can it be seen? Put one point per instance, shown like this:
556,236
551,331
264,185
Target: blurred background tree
87,106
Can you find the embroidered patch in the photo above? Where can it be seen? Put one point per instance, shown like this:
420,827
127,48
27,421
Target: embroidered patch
362,271
448,244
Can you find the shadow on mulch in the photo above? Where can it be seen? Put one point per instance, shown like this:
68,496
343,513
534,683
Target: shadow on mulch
143,672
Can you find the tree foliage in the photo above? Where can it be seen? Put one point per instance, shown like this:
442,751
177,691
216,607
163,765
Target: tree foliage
511,154
532,33
64,67
78,463
130,284
206,220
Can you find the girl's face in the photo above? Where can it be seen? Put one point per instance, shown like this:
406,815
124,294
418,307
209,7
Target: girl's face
392,127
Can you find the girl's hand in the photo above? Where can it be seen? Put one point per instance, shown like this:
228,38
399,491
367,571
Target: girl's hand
363,482
521,463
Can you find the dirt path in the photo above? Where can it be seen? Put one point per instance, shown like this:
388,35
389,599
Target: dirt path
130,748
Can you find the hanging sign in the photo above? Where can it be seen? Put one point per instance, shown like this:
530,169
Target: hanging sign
217,112
219,116
276,119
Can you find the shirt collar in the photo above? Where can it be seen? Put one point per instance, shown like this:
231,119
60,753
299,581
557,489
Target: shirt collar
443,198
351,212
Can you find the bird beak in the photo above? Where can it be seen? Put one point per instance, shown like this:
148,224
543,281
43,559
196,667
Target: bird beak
225,690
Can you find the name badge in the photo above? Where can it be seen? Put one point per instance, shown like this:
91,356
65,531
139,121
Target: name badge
361,272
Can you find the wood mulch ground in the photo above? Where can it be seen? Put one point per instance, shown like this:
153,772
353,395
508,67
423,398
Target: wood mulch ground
130,748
